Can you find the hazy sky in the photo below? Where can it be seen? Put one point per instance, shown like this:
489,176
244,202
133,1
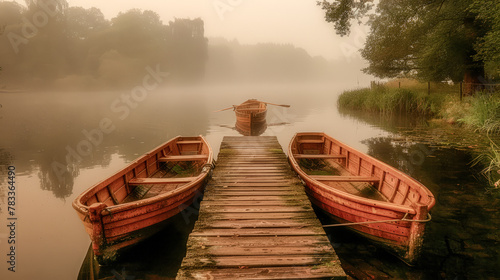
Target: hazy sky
300,22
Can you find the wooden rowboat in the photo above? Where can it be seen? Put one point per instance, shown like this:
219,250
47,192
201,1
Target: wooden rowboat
363,193
137,201
250,115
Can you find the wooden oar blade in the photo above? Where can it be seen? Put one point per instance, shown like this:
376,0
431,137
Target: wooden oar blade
281,105
225,109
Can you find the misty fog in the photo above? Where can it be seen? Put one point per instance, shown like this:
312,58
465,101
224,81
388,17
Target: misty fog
72,48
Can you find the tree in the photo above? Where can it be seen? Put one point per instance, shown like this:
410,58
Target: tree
187,49
342,12
488,46
81,23
54,44
432,40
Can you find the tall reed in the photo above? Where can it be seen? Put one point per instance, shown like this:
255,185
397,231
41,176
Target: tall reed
390,100
483,113
491,160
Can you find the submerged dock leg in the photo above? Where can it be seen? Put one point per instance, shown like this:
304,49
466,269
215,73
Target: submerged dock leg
256,221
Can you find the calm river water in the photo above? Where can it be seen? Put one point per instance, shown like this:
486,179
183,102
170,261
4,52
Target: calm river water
40,132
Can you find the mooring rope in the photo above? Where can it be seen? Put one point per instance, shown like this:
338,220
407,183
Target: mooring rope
404,219
209,165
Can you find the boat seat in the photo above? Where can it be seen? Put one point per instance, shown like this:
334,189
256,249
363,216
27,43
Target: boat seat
147,181
329,178
311,141
250,109
184,158
187,142
323,156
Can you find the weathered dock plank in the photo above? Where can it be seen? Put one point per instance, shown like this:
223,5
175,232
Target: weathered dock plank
256,221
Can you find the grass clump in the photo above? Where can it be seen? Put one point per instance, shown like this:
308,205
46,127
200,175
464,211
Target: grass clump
391,100
491,161
480,112
483,113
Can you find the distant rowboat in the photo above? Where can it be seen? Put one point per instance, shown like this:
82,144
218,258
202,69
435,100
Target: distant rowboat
363,193
132,204
251,116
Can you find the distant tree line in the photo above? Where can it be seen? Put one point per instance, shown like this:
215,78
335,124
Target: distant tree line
230,61
49,43
433,40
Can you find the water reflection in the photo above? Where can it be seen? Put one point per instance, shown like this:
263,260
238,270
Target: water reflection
389,122
399,152
57,135
433,132
256,129
158,257
5,158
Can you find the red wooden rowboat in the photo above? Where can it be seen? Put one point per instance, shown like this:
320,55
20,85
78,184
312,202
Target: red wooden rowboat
363,193
250,115
134,203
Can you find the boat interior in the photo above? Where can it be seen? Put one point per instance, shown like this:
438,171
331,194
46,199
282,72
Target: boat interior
251,106
160,171
343,168
332,173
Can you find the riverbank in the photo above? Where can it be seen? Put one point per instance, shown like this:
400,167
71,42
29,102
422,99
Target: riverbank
479,113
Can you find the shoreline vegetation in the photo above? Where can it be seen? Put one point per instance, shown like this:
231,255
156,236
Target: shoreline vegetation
479,112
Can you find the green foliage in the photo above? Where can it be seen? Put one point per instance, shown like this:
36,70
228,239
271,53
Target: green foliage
491,160
483,113
341,13
480,112
431,40
390,100
488,46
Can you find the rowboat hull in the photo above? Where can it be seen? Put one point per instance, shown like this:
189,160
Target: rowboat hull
366,195
138,201
255,129
250,115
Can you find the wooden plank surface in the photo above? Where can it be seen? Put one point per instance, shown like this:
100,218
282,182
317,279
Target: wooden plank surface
297,272
256,222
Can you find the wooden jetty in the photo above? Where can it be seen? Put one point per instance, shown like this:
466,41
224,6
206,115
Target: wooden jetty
256,221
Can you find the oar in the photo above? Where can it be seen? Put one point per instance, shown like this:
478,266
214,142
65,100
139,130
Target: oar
282,105
225,109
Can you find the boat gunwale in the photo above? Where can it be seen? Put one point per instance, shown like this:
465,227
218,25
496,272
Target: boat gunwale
261,107
362,200
79,206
